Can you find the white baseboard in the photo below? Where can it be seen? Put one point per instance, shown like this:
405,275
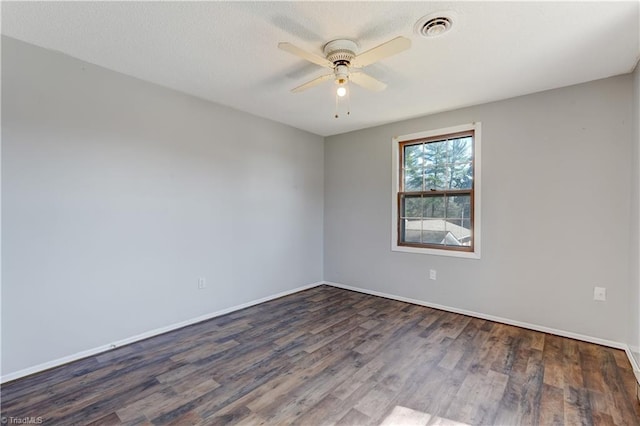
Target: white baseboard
633,354
94,351
632,359
563,333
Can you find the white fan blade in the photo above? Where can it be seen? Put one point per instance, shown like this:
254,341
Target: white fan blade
366,81
318,60
312,83
397,45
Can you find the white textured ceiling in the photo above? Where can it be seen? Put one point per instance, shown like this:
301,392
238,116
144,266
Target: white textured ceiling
227,52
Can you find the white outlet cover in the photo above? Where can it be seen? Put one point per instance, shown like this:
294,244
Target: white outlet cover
600,294
432,274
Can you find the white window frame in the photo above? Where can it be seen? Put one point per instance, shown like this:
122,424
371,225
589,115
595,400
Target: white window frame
395,176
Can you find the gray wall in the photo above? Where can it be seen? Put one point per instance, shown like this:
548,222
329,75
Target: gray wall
634,299
556,179
118,194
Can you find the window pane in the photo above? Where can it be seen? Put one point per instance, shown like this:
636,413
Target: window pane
410,231
435,179
451,237
436,220
433,231
434,207
460,176
458,224
458,208
412,206
461,150
435,158
413,156
413,180
459,163
435,153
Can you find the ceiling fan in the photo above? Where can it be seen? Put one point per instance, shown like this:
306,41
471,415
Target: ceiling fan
341,57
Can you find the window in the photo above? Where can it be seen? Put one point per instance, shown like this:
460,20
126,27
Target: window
436,196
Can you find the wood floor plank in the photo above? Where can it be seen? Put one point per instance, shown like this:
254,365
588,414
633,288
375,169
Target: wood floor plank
406,417
460,345
375,402
469,392
251,420
354,417
489,394
108,420
577,407
435,392
599,407
551,405
339,407
327,356
361,376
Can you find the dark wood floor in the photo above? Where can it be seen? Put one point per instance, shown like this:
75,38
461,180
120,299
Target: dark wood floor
331,356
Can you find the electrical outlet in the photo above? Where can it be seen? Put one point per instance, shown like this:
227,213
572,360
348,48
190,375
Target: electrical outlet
432,274
600,293
202,283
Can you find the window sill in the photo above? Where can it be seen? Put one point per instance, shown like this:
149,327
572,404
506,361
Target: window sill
436,252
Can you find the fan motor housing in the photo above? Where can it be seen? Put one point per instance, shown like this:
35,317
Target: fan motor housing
340,51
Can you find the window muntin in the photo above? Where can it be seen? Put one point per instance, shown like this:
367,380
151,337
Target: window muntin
436,192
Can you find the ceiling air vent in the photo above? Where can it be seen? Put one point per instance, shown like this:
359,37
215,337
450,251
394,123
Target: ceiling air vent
433,25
